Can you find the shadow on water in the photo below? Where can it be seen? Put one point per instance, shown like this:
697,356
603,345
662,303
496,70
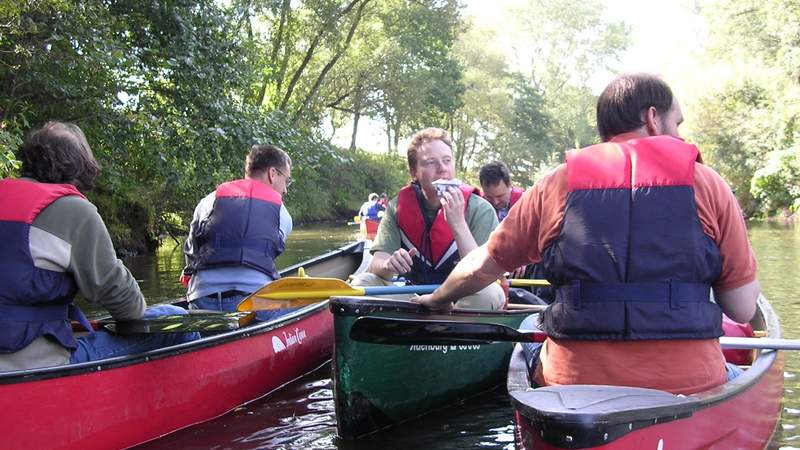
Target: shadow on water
301,416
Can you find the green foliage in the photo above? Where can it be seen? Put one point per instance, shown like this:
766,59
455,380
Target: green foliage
527,112
746,123
8,163
767,30
737,148
776,185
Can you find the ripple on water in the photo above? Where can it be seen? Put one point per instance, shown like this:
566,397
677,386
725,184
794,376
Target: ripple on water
483,422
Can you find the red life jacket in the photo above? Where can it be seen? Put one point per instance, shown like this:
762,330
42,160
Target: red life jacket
632,261
516,194
34,302
243,228
437,253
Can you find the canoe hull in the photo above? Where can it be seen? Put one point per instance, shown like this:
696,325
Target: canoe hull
377,386
369,228
741,414
126,401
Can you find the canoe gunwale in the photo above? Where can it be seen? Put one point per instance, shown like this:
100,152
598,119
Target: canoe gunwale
222,338
597,428
366,306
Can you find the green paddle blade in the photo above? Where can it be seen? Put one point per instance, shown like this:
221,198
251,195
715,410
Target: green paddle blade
194,321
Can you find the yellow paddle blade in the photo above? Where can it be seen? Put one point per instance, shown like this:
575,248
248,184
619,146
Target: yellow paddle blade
265,304
520,282
293,292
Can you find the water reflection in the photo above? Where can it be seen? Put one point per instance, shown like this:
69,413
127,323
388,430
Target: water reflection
301,416
158,274
777,249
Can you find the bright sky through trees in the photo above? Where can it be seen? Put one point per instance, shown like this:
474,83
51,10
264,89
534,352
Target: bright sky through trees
667,37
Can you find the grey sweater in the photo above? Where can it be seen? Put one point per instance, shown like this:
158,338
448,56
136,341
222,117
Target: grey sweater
69,236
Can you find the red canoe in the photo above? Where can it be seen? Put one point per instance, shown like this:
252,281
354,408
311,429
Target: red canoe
369,228
741,414
122,402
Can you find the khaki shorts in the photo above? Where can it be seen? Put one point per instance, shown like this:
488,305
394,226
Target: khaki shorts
490,298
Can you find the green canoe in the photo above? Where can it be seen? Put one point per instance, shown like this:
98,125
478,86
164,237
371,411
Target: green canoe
376,386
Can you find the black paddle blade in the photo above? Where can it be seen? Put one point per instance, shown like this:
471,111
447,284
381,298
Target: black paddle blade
383,330
194,321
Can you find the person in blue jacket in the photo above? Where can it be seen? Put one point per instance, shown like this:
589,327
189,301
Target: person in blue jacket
370,208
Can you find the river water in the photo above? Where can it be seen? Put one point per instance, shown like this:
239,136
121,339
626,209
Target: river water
301,415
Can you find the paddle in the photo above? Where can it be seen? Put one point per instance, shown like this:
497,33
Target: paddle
382,330
293,292
522,282
193,321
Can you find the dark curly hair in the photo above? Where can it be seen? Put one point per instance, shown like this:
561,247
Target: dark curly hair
59,153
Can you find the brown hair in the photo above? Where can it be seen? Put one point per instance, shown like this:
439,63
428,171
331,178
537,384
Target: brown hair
262,157
620,106
422,137
493,173
59,153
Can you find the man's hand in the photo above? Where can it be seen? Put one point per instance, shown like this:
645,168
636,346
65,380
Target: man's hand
453,204
429,301
400,262
519,272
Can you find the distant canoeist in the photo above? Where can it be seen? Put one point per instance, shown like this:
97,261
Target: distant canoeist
636,231
370,208
236,233
56,244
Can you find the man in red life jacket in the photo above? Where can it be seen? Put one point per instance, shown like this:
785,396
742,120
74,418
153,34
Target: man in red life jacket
634,233
55,245
423,235
496,186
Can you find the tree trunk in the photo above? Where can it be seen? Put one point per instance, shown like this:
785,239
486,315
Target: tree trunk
310,53
273,62
356,118
331,63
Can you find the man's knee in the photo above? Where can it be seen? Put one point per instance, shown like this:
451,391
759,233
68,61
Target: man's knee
490,298
368,279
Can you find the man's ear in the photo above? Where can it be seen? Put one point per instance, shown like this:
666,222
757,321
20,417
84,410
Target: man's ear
652,121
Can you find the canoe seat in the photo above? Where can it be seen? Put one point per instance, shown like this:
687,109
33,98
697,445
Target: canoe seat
596,414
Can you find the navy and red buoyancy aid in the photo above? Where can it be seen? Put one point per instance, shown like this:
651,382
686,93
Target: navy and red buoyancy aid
631,261
516,194
437,253
34,301
243,228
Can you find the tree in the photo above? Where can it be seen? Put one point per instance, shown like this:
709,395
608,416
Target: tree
754,115
558,46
